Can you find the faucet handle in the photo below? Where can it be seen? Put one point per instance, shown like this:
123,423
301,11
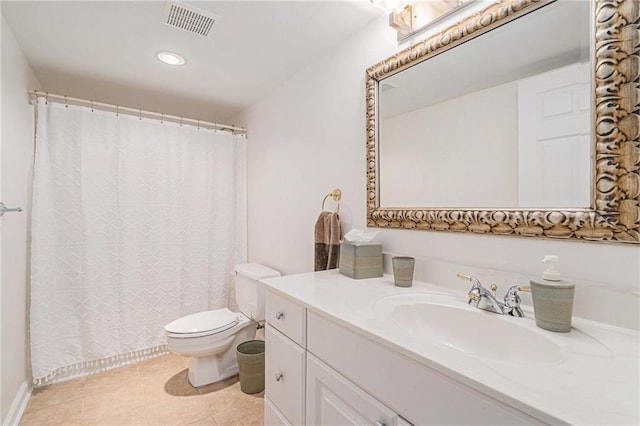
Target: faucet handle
494,289
512,300
474,281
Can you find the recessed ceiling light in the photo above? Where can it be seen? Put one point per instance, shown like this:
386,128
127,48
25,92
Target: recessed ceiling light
170,58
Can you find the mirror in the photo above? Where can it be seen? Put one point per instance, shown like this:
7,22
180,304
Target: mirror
519,132
506,123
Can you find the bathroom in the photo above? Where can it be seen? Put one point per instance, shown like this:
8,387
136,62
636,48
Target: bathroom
306,136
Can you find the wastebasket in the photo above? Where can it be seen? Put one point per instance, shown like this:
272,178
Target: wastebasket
250,356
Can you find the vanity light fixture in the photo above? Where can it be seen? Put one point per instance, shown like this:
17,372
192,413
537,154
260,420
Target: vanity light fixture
388,6
170,58
410,17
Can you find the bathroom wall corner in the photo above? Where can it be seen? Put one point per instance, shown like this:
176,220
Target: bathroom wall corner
17,120
18,406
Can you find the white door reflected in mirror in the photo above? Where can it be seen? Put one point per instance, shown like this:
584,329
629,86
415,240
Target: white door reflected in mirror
553,137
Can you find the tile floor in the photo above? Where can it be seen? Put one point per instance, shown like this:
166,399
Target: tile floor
153,392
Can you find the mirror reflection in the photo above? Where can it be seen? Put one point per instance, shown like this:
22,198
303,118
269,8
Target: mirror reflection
502,121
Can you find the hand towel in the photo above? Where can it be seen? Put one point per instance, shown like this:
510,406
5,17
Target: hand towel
327,241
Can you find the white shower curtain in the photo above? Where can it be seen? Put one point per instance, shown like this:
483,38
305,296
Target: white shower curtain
134,224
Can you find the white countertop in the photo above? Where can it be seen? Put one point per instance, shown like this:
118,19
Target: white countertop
595,381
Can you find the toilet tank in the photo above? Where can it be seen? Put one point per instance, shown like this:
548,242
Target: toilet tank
250,292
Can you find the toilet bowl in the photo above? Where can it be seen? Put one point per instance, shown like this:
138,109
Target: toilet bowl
210,342
210,337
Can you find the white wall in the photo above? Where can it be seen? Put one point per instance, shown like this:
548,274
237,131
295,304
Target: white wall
417,147
308,137
17,157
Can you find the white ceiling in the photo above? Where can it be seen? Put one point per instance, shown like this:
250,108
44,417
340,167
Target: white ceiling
105,50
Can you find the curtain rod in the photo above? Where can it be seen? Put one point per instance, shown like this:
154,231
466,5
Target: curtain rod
136,111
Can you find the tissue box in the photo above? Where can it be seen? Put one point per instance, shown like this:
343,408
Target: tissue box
361,260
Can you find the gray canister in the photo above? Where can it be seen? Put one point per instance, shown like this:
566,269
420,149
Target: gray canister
250,356
553,304
403,270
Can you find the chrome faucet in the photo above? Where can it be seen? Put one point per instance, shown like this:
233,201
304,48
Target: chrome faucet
482,298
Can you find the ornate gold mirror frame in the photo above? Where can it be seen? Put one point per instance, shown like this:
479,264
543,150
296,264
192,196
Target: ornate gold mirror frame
614,215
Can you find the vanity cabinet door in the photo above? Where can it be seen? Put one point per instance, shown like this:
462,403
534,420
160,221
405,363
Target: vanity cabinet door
273,416
284,375
334,400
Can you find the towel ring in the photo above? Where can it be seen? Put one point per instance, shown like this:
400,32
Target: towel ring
336,194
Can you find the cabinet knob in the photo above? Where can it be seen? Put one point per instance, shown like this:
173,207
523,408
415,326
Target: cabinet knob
279,315
278,376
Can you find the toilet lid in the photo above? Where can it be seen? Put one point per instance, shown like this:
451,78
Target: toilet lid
203,323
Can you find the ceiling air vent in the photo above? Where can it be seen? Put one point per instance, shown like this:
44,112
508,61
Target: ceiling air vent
189,18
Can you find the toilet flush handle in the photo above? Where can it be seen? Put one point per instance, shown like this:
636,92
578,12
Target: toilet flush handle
279,315
278,376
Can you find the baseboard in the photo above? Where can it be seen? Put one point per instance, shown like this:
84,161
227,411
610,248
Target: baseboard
19,405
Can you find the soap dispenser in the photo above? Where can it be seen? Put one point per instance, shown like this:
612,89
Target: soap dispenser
552,298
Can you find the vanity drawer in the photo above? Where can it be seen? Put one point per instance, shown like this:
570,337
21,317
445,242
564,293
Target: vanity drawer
285,375
286,316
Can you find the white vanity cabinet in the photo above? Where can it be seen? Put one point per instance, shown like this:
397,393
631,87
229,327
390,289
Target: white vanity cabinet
320,372
342,351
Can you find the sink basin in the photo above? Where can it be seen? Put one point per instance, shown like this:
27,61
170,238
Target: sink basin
449,321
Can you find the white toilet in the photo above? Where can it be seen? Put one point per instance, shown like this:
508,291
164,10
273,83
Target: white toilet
210,338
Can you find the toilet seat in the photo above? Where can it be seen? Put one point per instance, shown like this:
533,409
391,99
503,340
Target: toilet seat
202,324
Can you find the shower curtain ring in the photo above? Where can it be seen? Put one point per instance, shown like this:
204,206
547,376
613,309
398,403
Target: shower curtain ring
180,121
139,114
198,124
46,98
162,118
117,110
92,105
66,104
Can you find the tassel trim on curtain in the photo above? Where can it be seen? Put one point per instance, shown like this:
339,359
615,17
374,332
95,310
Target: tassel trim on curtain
99,365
